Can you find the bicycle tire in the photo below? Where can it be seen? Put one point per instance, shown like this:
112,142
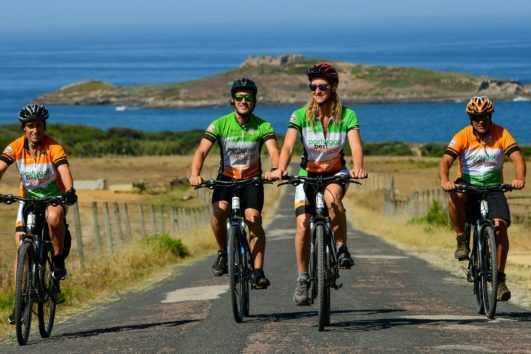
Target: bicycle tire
328,264
23,292
312,269
235,265
46,305
322,294
246,266
489,271
473,268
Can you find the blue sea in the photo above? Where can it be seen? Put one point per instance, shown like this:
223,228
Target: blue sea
48,63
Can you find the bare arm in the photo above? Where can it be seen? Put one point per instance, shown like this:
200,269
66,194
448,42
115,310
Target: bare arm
3,168
197,163
285,154
272,149
66,176
444,172
354,139
519,169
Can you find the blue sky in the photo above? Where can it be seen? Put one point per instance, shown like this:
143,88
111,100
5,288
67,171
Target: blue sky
38,16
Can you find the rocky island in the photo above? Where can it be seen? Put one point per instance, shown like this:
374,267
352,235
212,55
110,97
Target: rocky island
282,80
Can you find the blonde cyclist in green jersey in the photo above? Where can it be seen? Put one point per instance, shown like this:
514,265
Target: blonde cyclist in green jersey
325,126
240,136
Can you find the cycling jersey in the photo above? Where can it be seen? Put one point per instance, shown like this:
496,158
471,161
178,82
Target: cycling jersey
481,162
39,176
323,153
240,145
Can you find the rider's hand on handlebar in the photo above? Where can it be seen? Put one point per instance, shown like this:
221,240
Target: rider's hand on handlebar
448,186
276,175
518,183
358,173
196,181
70,196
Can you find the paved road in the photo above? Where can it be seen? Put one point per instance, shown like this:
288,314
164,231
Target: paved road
390,301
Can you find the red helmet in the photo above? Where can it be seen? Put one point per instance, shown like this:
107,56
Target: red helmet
323,70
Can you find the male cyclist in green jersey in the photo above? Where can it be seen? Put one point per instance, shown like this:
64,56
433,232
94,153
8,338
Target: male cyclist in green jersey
240,135
480,149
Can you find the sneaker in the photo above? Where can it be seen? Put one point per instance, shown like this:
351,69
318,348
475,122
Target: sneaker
259,279
300,296
462,251
344,259
503,294
11,318
220,265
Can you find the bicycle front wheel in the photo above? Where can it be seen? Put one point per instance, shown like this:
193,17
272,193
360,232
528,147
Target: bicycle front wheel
46,305
489,270
323,290
236,274
23,293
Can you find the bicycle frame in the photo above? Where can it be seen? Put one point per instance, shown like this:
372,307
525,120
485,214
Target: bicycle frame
236,219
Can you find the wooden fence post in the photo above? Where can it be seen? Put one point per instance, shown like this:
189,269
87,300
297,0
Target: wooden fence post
128,222
116,211
107,223
173,220
96,227
162,221
153,221
142,219
80,253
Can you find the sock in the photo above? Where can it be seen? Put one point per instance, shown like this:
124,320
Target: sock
304,275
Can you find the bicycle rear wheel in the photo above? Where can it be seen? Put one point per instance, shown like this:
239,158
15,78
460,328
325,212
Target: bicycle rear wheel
323,290
23,293
236,274
246,267
489,270
46,305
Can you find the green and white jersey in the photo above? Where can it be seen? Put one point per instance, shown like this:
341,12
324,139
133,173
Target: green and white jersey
323,153
240,145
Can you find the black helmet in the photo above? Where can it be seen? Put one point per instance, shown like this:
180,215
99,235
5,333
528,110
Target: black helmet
32,112
323,70
243,83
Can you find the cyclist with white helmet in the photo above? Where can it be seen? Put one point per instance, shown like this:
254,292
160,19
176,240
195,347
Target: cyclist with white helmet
325,126
480,149
44,171
240,136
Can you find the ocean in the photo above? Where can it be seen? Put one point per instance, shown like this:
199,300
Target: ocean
128,60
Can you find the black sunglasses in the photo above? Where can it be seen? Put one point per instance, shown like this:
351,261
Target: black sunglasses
322,87
485,117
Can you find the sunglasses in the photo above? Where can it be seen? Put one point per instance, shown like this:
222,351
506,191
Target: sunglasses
486,118
248,98
322,87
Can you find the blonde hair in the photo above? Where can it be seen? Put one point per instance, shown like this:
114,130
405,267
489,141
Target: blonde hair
336,108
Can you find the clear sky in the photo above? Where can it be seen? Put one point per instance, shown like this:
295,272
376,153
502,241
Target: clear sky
37,16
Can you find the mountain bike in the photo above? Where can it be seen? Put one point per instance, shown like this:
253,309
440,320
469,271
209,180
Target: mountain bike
482,269
323,266
34,281
240,260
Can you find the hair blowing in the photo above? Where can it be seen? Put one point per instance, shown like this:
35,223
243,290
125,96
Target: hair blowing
336,108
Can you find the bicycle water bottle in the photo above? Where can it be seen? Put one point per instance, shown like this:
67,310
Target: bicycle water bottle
484,207
30,221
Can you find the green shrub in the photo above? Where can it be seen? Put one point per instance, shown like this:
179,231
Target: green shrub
432,149
434,217
387,149
164,243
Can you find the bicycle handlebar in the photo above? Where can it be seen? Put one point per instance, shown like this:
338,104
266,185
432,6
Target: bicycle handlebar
10,199
463,188
212,183
317,181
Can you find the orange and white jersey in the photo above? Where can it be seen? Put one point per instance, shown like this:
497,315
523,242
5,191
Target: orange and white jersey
38,171
481,161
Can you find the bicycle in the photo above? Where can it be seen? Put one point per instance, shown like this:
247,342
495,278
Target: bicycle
323,265
34,280
240,261
482,269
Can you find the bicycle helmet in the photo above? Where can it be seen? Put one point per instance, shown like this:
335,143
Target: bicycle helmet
323,70
243,83
32,112
479,105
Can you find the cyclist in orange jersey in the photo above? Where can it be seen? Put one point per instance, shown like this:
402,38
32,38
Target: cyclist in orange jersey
480,149
44,171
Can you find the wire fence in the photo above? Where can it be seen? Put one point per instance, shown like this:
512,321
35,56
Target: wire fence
99,228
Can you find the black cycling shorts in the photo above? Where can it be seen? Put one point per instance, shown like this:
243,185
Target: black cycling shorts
498,207
251,196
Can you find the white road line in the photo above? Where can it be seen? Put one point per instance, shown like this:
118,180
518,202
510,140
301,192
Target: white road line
197,293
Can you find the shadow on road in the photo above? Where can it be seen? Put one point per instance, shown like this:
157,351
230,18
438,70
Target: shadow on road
287,316
515,316
131,327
